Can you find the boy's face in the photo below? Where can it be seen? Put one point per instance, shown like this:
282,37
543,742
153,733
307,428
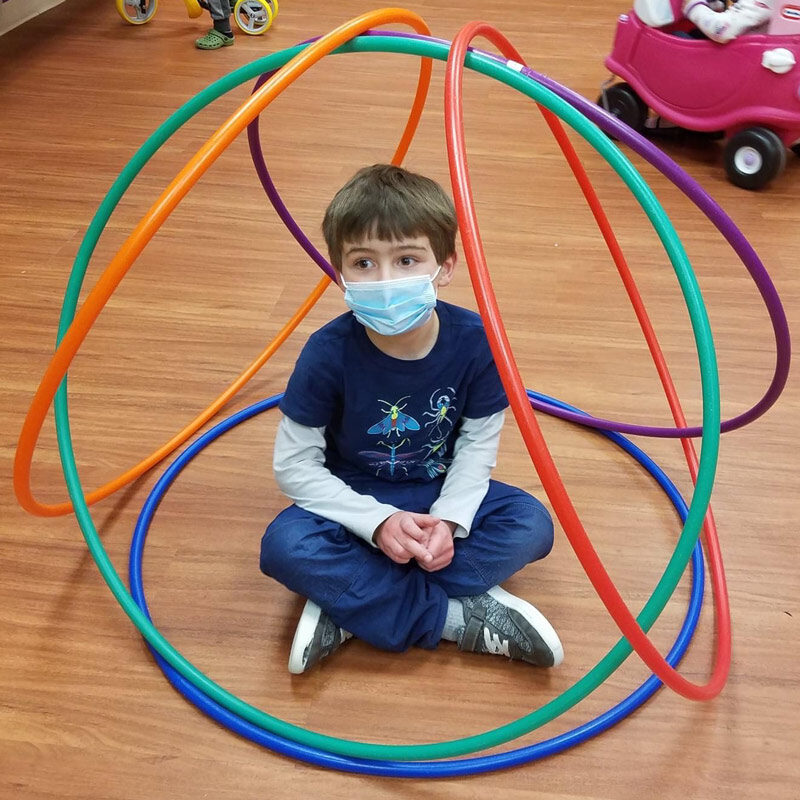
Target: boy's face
372,259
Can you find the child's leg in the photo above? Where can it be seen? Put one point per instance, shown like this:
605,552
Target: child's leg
391,606
220,11
221,34
511,529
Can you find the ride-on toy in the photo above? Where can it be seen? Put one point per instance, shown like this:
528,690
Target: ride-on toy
749,88
252,16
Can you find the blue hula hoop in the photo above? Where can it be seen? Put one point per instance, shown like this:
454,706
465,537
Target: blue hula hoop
410,769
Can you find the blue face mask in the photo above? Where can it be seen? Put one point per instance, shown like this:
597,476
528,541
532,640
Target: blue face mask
392,307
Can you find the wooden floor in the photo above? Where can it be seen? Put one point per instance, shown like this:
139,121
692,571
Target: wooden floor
84,713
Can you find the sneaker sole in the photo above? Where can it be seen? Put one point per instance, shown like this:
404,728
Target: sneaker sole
302,637
535,617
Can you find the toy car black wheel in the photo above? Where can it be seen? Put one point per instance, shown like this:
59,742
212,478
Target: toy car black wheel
622,102
753,157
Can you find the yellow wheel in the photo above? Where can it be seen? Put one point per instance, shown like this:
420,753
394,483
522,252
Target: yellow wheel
254,16
137,12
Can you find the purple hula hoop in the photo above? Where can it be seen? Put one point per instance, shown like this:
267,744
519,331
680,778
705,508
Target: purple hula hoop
610,125
254,140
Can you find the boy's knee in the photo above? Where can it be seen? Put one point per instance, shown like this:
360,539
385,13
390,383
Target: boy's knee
271,545
535,525
295,541
279,544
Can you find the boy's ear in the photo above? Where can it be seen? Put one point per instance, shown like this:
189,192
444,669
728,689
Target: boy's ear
446,272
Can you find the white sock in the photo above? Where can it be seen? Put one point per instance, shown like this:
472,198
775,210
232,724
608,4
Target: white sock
454,622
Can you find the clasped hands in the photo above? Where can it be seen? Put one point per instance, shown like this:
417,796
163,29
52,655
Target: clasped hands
427,539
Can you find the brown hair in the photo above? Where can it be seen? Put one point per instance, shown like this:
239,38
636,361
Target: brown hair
391,203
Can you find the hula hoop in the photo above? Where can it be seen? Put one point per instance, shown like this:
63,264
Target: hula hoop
74,328
679,177
597,675
470,766
526,420
427,49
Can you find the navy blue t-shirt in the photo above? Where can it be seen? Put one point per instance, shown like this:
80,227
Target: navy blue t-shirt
387,418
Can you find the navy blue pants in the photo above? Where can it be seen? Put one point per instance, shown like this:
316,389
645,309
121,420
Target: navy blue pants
396,606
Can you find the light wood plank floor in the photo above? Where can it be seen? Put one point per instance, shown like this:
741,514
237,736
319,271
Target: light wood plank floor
83,711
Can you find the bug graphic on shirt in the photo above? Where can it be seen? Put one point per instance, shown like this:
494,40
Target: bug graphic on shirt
434,459
441,403
389,461
397,465
394,421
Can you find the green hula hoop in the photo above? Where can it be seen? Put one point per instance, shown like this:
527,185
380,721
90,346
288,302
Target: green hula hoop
709,379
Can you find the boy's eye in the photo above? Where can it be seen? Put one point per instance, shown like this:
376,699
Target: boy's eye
407,261
363,263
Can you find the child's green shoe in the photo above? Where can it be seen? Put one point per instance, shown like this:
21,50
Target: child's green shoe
213,40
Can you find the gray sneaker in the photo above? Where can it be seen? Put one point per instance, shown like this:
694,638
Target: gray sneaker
498,622
316,636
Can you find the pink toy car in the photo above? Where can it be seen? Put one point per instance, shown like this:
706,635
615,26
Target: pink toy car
749,88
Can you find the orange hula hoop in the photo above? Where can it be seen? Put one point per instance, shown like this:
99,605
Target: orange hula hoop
149,225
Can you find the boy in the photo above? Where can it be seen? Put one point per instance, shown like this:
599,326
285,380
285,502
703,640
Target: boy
391,426
221,35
